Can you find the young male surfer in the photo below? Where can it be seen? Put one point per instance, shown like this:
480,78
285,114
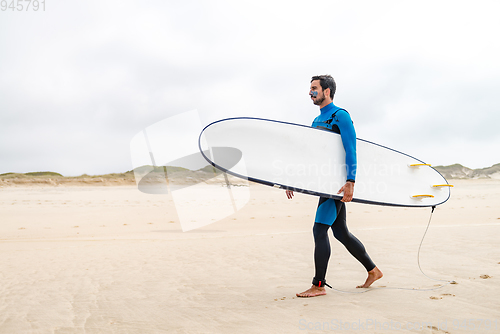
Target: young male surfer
331,213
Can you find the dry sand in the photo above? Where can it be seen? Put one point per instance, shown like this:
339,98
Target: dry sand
114,260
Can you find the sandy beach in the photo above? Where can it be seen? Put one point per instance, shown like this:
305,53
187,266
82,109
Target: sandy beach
110,259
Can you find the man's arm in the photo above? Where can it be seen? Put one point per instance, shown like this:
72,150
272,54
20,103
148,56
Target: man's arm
348,135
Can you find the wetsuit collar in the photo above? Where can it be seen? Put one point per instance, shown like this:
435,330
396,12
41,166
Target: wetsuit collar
327,108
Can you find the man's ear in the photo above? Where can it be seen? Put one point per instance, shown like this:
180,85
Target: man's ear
326,92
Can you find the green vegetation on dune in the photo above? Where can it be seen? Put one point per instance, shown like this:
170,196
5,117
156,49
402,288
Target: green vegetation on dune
43,174
457,171
149,168
107,176
30,174
172,169
493,169
209,169
54,175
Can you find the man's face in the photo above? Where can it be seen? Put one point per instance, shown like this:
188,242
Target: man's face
316,93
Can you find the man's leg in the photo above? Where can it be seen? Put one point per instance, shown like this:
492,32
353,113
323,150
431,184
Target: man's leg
321,257
321,250
325,215
354,246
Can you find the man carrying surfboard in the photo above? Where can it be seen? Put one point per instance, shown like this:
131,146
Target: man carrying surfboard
331,213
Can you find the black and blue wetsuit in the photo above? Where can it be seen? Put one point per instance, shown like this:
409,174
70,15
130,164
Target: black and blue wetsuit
331,212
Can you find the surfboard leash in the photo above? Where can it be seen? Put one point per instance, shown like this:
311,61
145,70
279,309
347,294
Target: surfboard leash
419,267
418,254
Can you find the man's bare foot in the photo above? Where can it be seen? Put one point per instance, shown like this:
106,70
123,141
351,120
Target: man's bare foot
373,275
313,291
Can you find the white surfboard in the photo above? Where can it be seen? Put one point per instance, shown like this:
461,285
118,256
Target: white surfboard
310,160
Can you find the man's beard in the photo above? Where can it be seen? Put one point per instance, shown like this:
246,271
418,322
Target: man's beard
319,100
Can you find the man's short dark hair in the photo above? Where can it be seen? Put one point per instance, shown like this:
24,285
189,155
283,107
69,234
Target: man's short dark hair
326,81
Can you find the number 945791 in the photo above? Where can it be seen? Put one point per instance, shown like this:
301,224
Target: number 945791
22,5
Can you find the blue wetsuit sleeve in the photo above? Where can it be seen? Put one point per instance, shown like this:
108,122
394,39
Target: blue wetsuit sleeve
348,135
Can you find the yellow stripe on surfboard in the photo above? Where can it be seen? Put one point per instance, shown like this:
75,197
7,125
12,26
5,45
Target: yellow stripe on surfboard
418,165
422,196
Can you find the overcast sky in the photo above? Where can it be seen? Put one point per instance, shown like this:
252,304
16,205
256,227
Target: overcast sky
80,79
